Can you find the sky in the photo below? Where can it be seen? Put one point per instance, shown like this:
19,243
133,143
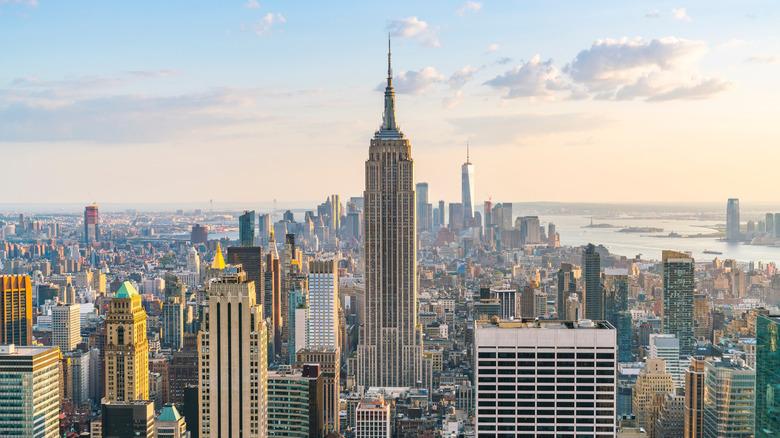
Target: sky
607,101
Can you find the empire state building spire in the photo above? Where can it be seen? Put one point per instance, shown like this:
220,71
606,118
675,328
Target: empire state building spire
389,128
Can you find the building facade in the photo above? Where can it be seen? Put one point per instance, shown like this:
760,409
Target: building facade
66,326
233,361
127,349
563,379
677,302
767,374
390,349
15,310
29,391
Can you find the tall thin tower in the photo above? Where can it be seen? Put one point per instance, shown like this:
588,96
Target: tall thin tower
390,350
467,189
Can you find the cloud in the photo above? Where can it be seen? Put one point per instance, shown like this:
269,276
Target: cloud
453,101
659,69
653,14
28,3
534,78
680,14
763,59
493,47
732,44
92,82
461,77
252,4
263,27
416,82
412,27
521,128
470,6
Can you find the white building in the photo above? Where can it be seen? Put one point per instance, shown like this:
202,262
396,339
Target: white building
666,346
323,325
540,378
66,326
372,417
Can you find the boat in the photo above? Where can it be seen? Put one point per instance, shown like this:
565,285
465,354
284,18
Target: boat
709,251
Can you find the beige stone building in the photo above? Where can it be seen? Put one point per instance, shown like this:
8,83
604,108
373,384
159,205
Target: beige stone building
127,350
651,381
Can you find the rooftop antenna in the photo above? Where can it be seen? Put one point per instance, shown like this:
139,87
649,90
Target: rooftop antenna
467,151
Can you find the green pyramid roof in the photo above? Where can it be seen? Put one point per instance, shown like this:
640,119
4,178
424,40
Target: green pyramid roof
126,291
169,413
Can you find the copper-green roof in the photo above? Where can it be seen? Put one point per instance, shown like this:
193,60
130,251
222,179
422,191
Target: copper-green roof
169,413
126,291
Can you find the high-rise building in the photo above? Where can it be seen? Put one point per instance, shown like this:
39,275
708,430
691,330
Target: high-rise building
390,349
677,302
29,390
246,228
372,417
467,189
251,260
127,349
173,313
701,317
562,373
329,363
295,403
199,234
424,209
456,216
128,419
76,376
66,326
667,347
15,310
651,381
297,287
729,399
694,398
233,361
594,294
670,420
567,285
193,261
732,219
770,224
442,214
323,318
91,224
767,374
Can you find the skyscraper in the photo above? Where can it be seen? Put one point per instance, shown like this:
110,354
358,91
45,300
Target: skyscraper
424,210
567,285
66,326
390,350
562,376
323,324
729,405
15,309
467,189
246,228
91,224
29,389
732,219
616,309
677,302
233,360
251,260
770,224
594,296
127,350
767,374
173,313
694,393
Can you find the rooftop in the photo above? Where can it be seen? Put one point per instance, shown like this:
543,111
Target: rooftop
527,323
126,291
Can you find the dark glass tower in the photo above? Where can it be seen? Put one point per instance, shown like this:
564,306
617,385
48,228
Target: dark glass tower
677,309
246,228
594,296
767,375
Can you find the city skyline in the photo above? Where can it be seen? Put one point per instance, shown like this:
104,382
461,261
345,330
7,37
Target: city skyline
532,100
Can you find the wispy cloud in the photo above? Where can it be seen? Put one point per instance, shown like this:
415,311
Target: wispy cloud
680,14
252,4
461,77
519,129
653,14
534,78
493,48
470,6
264,25
416,82
413,27
763,59
454,100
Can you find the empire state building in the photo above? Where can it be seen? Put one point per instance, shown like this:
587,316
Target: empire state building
390,349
